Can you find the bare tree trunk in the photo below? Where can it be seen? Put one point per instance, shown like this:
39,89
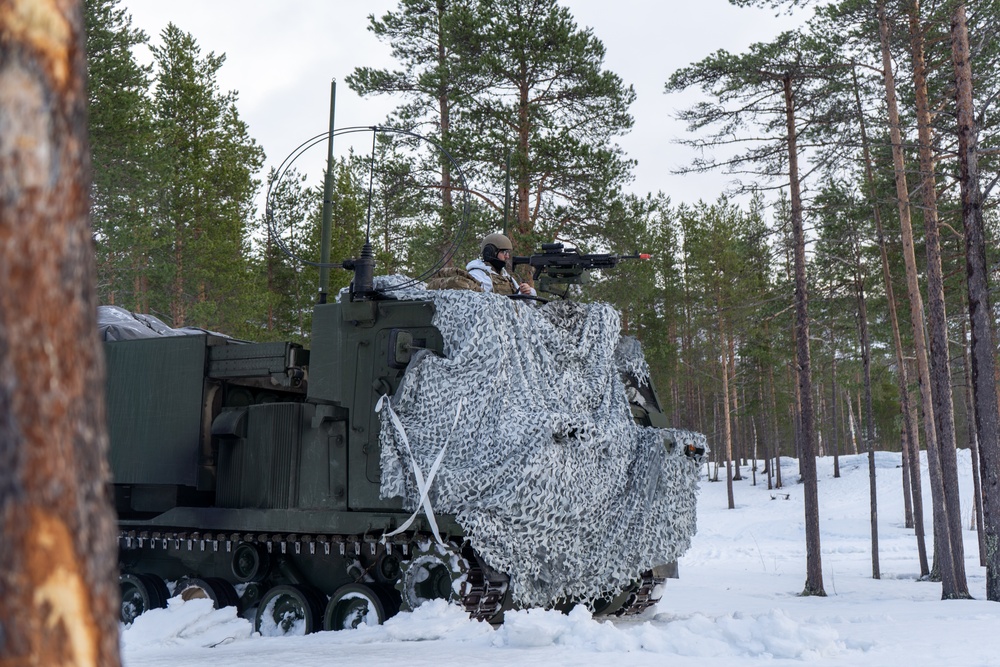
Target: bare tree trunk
793,369
905,471
910,500
738,442
774,421
869,430
938,498
985,391
444,115
715,412
833,402
58,584
970,411
860,412
701,405
851,422
807,460
820,403
524,122
777,436
953,582
727,433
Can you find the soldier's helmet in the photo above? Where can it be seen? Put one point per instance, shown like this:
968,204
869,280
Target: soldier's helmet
492,245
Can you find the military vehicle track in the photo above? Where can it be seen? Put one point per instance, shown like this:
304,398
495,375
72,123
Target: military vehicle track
481,591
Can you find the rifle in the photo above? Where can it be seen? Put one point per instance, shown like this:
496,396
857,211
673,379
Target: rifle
556,264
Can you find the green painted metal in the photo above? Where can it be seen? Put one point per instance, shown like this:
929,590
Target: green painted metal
222,449
200,424
154,401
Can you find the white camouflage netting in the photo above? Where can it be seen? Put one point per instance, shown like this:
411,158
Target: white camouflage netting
545,469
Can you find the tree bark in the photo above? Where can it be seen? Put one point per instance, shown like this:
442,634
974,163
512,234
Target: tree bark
973,439
727,432
938,499
777,435
807,461
736,450
869,429
833,403
953,582
911,451
983,368
58,584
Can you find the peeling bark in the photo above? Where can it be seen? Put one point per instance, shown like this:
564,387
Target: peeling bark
58,590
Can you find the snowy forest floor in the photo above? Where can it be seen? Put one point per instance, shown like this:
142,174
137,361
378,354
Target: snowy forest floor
736,603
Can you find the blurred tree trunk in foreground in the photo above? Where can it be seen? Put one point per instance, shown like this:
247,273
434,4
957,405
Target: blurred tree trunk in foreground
58,598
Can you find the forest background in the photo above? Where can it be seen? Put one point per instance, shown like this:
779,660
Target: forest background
785,319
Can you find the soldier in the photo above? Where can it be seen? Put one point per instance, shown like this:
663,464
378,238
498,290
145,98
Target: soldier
491,269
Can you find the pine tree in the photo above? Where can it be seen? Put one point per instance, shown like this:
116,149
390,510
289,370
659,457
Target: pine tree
512,79
431,83
121,137
207,163
540,93
769,88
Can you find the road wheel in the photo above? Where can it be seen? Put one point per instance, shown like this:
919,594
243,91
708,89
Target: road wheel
289,610
140,593
219,591
353,605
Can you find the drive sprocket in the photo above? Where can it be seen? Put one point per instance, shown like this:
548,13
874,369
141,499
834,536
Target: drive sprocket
433,572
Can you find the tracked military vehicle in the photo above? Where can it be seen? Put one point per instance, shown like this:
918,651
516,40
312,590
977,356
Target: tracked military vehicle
325,487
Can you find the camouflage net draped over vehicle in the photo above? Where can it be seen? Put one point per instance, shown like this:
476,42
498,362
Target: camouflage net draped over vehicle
545,469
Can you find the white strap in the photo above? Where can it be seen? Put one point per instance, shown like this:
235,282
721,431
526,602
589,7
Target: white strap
422,487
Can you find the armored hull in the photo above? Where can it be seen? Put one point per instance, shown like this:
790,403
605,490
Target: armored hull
254,474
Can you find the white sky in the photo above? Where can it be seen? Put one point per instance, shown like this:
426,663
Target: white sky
281,56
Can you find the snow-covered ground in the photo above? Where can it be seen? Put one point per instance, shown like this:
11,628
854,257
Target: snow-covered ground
736,603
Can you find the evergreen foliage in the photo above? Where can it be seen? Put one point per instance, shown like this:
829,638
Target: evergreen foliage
121,141
499,80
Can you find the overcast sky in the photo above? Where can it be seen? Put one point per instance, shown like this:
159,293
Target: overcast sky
281,57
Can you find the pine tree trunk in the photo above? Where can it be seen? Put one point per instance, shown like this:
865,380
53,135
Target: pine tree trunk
938,498
980,313
912,497
727,433
973,440
58,583
774,423
851,421
820,403
860,412
793,369
904,468
869,429
807,461
523,136
833,406
444,111
737,442
953,583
